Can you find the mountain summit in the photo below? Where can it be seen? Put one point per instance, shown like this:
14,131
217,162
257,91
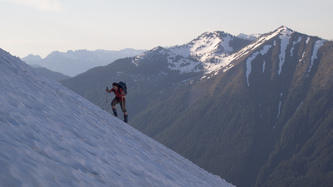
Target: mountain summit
208,53
50,136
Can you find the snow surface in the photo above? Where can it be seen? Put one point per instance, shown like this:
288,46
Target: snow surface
50,136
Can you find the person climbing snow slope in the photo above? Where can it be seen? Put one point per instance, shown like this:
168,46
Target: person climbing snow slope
119,98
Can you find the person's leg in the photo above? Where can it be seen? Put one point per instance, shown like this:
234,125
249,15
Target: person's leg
123,108
113,105
126,118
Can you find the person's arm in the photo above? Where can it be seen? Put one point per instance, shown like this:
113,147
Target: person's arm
107,89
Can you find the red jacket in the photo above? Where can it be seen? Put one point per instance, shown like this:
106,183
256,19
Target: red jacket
119,93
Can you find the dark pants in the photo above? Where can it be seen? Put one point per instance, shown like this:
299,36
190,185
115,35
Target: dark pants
122,104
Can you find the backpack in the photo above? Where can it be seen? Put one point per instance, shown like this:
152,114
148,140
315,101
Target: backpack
123,86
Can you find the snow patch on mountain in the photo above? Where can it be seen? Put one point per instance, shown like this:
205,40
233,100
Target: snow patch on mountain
316,47
206,46
136,60
307,40
174,61
249,66
220,62
251,58
50,136
300,104
294,43
206,49
259,42
284,37
183,65
279,108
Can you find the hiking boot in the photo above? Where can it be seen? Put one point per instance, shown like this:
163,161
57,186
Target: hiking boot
115,112
125,118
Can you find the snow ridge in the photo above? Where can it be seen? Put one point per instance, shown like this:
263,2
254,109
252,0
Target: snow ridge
257,43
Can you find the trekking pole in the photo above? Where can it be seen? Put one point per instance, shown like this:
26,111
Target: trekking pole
106,100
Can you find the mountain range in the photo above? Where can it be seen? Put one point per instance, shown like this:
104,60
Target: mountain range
72,63
50,136
255,112
50,74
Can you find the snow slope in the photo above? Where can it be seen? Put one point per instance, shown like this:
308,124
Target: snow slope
50,136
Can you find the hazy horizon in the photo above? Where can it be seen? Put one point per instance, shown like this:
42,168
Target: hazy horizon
41,26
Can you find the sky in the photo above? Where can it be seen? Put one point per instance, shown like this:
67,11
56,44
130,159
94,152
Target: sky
41,26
